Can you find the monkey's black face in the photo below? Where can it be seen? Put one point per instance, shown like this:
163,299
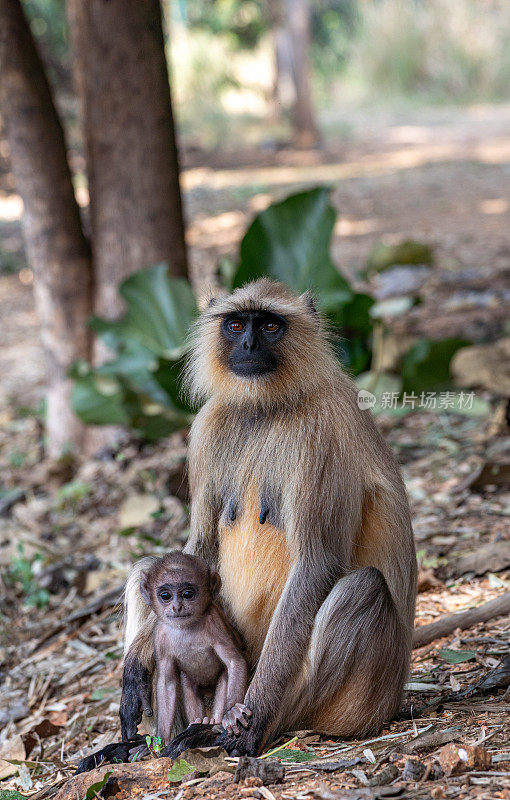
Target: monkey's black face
252,336
179,601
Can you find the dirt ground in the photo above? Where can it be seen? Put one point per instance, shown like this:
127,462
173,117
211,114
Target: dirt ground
439,176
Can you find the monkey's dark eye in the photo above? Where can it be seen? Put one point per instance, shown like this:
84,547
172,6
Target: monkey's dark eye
235,326
188,594
271,327
165,595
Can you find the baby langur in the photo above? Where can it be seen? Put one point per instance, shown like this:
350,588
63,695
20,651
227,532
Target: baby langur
193,645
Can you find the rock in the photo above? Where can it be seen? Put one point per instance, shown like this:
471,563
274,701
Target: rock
486,365
267,771
413,770
385,776
400,281
457,758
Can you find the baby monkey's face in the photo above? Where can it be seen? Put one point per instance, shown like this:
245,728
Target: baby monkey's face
182,600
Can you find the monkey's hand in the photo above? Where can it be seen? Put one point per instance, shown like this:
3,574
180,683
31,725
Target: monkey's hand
239,713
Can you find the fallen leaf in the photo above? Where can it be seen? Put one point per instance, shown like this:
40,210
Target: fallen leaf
137,509
179,770
207,760
95,788
456,656
12,749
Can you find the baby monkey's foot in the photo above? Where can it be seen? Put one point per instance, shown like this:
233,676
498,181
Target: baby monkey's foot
237,714
206,721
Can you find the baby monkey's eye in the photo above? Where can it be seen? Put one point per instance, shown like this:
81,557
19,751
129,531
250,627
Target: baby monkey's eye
165,595
271,327
188,594
235,326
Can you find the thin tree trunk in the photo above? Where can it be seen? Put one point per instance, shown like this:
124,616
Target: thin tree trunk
132,161
296,14
56,247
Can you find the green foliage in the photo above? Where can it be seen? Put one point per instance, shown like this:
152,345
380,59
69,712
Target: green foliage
70,494
21,575
445,51
48,23
244,20
457,656
94,789
407,252
155,744
140,388
426,366
289,242
296,756
10,794
179,770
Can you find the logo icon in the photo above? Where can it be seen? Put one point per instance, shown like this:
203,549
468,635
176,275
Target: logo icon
366,400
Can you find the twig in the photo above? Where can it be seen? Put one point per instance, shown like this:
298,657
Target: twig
281,747
465,619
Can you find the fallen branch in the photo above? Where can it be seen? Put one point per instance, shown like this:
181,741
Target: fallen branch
446,625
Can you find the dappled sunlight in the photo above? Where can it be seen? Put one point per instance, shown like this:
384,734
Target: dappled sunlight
218,230
496,206
356,227
495,151
11,208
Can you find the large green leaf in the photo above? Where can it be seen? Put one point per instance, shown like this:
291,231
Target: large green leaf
290,242
140,388
159,311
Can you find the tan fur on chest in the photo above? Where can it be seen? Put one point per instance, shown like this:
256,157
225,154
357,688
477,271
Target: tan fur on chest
254,563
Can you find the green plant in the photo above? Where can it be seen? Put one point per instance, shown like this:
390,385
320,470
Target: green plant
21,574
70,494
155,744
288,242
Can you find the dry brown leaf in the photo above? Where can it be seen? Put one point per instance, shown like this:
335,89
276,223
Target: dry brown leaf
12,749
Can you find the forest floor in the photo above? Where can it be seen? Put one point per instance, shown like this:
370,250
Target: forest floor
68,534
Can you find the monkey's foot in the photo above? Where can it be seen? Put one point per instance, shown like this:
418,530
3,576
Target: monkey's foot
196,735
245,743
111,754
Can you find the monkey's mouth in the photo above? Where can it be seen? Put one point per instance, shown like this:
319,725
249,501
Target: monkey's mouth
251,367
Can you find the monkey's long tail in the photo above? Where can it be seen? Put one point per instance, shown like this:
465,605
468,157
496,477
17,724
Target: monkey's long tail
136,612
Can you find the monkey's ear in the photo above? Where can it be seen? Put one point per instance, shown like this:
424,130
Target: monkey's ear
310,305
144,588
215,582
206,299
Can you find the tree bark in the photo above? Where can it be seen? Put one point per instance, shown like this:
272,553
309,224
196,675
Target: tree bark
296,14
57,250
132,160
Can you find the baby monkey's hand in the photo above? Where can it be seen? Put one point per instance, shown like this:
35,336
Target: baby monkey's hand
237,714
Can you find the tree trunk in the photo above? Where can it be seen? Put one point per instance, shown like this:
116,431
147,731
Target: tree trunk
296,14
56,247
132,161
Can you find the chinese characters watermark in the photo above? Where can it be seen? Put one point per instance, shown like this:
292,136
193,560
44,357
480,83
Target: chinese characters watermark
440,401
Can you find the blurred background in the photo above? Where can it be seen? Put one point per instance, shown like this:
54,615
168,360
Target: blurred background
152,152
